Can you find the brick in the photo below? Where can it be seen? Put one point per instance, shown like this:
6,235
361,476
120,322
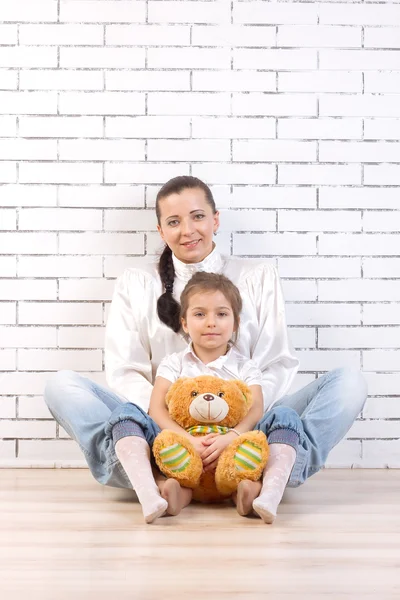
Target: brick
323,314
33,408
130,220
28,103
265,13
319,174
383,360
8,313
23,383
384,82
359,14
374,428
315,129
279,59
36,172
34,56
54,360
248,220
102,103
274,105
340,197
381,268
7,409
147,35
101,243
61,80
273,197
28,337
388,129
233,127
148,80
60,266
347,454
148,127
320,267
299,291
93,11
25,11
381,174
366,105
27,429
308,220
381,37
302,337
359,290
166,11
81,337
18,149
8,126
8,35
8,266
101,150
28,243
190,103
386,408
317,360
86,289
143,173
14,289
234,173
274,151
8,219
8,172
359,337
319,36
359,152
116,265
60,313
59,219
273,244
359,244
234,36
61,34
61,127
320,81
383,384
235,81
28,195
105,57
381,221
191,58
66,451
191,150
8,359
102,196
381,314
9,80
381,454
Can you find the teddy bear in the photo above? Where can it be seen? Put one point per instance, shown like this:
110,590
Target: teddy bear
203,405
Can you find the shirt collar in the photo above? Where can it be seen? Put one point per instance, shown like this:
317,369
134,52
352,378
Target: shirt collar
189,354
212,263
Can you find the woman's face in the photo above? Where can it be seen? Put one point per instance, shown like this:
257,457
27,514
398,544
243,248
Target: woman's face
187,225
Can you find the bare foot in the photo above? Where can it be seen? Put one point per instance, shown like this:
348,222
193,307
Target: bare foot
177,497
247,491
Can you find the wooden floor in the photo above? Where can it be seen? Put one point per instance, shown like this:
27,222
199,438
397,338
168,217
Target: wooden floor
63,536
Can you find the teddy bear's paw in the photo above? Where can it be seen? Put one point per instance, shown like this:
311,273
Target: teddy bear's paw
248,457
176,458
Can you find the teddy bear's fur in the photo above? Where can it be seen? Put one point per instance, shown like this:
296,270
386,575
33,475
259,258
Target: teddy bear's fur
204,405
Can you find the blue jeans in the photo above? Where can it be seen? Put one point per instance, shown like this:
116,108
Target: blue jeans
321,414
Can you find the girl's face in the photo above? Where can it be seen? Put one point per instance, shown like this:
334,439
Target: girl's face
187,224
209,320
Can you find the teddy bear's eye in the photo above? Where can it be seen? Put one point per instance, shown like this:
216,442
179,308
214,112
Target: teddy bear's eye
221,394
194,394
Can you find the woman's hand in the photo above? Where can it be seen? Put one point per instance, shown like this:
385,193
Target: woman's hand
215,444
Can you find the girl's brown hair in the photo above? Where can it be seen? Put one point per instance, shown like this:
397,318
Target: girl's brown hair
168,309
212,282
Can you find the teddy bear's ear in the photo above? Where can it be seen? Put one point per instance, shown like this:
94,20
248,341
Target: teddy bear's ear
175,387
245,391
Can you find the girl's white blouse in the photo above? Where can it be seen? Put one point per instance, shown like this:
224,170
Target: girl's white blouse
137,341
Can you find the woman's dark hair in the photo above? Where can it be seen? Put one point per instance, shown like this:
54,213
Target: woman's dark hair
168,309
212,282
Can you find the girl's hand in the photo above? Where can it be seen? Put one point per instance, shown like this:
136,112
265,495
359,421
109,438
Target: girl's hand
198,443
215,445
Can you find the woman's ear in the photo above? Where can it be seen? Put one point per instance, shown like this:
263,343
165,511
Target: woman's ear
216,222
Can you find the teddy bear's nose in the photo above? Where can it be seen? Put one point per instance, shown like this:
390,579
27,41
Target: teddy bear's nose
208,397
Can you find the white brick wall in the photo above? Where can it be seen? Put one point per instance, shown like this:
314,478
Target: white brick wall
289,110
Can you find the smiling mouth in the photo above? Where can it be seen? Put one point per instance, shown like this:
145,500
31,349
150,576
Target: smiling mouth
191,244
207,418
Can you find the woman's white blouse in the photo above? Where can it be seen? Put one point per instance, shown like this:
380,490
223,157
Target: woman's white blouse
137,341
230,366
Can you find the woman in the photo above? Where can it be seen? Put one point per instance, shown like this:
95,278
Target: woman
143,327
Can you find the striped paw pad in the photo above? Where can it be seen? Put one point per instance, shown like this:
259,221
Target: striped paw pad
175,458
247,457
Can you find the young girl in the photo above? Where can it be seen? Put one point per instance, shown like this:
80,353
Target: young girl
210,309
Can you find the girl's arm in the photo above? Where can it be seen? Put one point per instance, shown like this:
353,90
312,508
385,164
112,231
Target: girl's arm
255,413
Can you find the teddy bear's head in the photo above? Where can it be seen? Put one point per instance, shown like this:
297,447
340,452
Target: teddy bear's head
207,399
